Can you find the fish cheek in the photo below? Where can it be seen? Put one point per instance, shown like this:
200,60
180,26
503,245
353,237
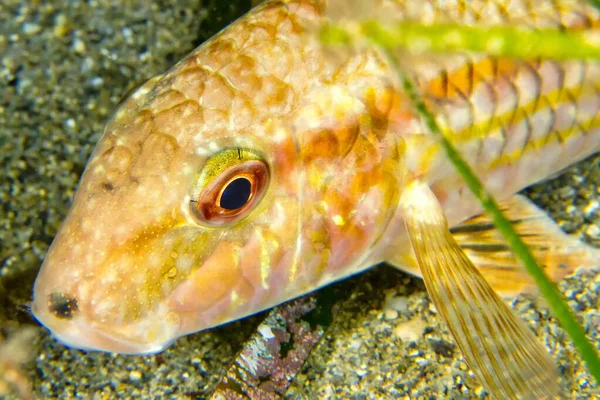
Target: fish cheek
211,282
138,275
357,194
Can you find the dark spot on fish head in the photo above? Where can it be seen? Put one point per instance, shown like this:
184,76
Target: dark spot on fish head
62,306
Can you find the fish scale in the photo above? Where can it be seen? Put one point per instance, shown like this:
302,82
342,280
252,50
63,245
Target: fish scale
332,150
507,123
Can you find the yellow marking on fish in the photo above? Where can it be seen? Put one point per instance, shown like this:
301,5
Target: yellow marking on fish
562,136
483,129
338,220
462,81
265,259
430,155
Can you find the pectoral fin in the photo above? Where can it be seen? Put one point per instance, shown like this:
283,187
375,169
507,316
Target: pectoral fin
503,353
558,253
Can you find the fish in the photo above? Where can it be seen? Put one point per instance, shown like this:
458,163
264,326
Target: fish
266,164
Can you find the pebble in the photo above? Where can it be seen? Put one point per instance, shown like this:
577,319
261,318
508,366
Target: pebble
593,231
432,308
390,314
135,376
410,331
591,208
399,304
31,29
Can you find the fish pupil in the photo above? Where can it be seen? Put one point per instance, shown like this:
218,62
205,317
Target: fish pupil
236,194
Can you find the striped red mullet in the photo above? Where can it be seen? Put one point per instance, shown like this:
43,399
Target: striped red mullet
265,165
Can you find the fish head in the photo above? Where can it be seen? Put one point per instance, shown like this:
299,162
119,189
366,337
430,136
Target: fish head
171,233
176,219
221,188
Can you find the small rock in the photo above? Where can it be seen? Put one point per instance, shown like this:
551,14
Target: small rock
135,376
566,192
390,314
593,232
399,304
79,46
590,208
30,28
410,331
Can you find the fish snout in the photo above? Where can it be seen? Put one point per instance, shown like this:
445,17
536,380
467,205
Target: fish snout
69,320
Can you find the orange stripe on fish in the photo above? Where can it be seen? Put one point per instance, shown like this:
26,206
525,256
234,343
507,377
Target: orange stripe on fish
461,82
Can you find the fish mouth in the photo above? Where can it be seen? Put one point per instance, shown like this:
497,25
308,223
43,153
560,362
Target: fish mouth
85,335
96,340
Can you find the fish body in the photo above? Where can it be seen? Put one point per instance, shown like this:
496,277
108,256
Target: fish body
265,165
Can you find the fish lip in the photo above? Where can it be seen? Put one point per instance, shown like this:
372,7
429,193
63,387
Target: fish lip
84,335
104,342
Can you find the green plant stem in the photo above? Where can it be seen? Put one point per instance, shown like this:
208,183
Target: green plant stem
548,289
508,41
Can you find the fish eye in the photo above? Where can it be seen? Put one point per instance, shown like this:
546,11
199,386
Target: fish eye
230,187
